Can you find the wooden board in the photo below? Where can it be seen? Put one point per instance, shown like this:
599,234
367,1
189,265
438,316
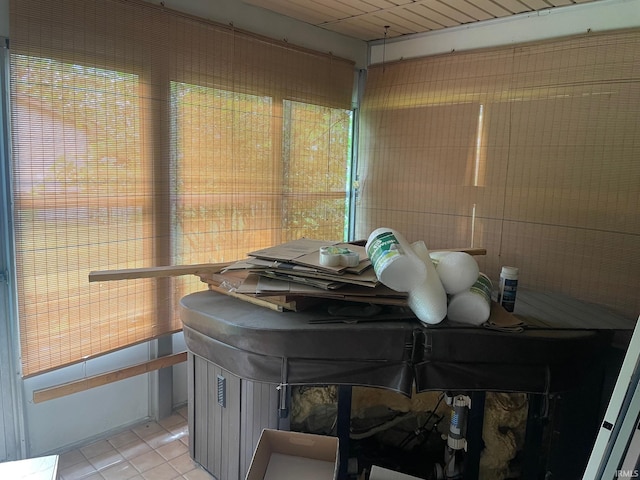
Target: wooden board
105,378
156,272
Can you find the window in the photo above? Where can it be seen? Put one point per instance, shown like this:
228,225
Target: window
82,193
183,142
246,179
315,141
227,175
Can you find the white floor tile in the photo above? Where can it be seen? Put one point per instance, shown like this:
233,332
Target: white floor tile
149,451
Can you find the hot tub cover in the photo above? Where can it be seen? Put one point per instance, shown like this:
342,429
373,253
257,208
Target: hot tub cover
303,348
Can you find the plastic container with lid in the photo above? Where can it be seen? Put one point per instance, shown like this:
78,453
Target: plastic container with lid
508,288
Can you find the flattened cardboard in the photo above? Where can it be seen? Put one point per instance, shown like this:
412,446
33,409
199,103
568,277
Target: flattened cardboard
291,250
306,252
282,455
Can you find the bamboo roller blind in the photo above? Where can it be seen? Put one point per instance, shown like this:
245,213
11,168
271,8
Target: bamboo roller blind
144,137
530,151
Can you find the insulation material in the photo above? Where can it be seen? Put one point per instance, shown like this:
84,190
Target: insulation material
364,399
505,418
399,422
394,260
314,409
428,300
474,305
373,410
458,271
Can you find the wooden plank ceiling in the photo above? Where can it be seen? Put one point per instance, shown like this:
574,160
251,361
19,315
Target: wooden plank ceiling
377,19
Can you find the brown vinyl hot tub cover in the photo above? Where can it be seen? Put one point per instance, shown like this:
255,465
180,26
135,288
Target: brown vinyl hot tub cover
311,348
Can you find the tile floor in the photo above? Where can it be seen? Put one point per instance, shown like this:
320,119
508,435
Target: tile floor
149,451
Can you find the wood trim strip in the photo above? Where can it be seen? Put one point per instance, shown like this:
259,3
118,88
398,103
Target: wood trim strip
469,250
83,384
154,272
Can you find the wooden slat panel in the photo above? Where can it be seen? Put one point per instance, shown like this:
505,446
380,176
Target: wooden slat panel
430,19
469,9
536,4
446,10
357,29
303,13
375,4
416,22
310,12
334,7
395,23
514,6
437,17
491,7
369,6
332,13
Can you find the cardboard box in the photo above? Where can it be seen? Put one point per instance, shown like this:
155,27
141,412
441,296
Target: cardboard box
282,455
379,473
